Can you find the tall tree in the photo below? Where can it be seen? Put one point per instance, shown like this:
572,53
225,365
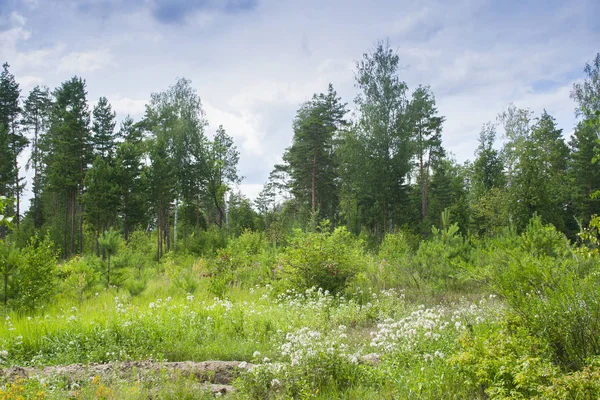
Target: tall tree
70,153
6,176
311,158
427,128
584,171
538,177
377,153
10,110
36,114
223,159
488,169
103,129
176,121
585,93
449,191
102,195
128,170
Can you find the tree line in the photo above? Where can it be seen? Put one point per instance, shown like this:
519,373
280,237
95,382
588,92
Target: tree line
89,176
387,168
377,170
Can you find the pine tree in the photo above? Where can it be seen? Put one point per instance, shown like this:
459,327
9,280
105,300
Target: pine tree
311,160
426,126
10,111
102,195
103,129
128,171
35,120
70,154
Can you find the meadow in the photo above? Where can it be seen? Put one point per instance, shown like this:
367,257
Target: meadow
323,315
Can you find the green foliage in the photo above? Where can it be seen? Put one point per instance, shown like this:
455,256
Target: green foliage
206,242
109,243
79,279
440,260
247,260
323,259
505,363
10,258
394,257
553,290
37,274
4,220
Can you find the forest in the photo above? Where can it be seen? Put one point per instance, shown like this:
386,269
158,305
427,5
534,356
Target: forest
372,264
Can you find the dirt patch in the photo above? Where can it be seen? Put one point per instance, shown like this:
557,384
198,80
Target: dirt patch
210,372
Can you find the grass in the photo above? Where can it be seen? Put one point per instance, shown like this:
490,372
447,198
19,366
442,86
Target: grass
310,341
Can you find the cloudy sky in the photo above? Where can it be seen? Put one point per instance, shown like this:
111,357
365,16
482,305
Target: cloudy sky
254,61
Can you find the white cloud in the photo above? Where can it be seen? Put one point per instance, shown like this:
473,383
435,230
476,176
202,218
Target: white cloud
27,82
254,69
250,190
87,61
17,19
125,105
244,128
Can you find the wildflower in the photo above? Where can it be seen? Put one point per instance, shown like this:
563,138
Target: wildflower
256,354
275,383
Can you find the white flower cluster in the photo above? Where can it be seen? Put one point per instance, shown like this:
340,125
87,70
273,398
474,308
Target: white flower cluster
428,325
305,344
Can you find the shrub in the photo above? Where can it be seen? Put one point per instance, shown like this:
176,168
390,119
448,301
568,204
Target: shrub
440,260
79,278
505,363
324,259
555,292
37,274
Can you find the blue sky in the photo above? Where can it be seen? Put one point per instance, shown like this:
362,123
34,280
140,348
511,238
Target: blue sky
254,61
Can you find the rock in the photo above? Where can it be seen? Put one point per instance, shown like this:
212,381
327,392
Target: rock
371,359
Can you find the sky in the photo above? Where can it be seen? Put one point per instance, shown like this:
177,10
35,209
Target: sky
253,62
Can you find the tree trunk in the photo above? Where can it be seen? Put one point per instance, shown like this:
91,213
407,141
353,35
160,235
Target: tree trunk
126,217
175,224
313,183
422,185
17,190
426,187
5,289
97,243
159,233
66,233
167,229
73,212
35,175
81,229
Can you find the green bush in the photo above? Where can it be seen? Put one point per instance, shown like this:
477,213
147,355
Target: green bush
206,242
555,291
440,260
505,363
37,274
80,279
323,259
